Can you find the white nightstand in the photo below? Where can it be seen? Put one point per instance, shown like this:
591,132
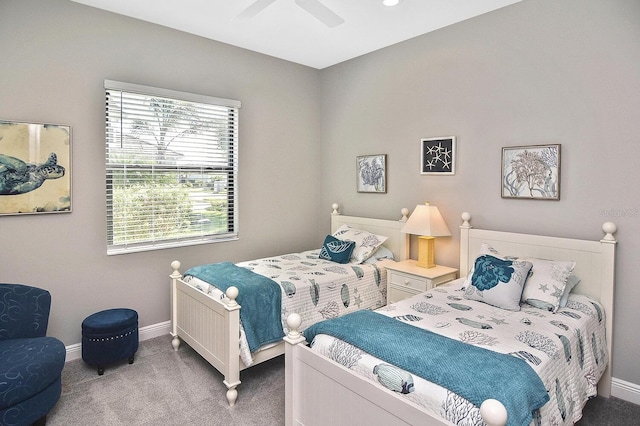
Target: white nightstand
405,279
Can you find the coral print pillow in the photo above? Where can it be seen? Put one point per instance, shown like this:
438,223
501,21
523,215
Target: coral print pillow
366,242
497,280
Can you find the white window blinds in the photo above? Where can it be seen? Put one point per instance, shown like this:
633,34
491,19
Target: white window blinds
171,168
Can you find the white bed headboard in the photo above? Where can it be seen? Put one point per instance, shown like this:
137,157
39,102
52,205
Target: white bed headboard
398,242
595,264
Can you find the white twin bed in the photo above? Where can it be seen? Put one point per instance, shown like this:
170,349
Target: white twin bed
209,320
569,349
321,391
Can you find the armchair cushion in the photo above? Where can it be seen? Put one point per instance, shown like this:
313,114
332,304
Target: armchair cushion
24,311
27,367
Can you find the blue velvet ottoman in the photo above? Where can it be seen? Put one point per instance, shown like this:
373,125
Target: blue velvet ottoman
109,336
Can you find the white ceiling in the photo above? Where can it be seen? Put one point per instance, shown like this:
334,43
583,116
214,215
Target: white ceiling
287,31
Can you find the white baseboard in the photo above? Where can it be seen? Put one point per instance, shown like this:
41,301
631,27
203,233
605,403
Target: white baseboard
144,333
619,388
625,390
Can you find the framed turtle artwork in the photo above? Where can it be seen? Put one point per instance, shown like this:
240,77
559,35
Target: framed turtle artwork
35,168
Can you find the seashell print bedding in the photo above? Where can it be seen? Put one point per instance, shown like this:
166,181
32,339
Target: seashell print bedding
566,349
314,288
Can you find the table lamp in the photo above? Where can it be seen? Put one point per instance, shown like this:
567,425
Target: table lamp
427,222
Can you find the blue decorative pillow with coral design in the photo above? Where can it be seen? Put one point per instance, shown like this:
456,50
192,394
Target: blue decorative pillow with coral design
497,281
336,250
490,271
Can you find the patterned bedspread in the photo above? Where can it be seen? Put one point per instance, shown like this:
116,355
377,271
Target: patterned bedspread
566,349
314,288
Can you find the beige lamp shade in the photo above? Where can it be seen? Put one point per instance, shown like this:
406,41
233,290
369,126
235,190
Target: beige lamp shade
427,222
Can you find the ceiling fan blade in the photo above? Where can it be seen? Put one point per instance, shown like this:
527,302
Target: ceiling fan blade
255,8
320,12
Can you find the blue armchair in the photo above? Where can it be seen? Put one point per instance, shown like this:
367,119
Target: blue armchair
30,363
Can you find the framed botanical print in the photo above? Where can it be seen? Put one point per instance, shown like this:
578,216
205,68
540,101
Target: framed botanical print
35,168
438,156
531,172
371,173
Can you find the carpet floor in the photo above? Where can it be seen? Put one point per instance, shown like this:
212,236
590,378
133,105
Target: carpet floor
164,387
181,388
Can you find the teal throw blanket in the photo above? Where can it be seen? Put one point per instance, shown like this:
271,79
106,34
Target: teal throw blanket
260,299
472,372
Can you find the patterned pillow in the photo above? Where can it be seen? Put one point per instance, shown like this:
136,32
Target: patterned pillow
572,281
366,242
497,280
546,283
381,253
336,250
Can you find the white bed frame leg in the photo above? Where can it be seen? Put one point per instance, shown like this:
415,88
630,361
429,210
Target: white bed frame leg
292,338
232,396
465,256
175,276
608,275
175,343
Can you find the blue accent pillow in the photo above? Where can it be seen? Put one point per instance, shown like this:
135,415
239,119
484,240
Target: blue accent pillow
336,250
497,281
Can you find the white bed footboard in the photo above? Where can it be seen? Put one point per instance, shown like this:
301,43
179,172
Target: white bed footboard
211,327
319,391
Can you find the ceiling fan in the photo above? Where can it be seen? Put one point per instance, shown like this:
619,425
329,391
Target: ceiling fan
314,7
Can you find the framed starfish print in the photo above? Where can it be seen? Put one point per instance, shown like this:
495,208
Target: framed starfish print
35,168
438,156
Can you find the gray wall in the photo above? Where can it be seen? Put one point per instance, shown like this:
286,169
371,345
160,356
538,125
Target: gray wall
55,57
537,72
540,71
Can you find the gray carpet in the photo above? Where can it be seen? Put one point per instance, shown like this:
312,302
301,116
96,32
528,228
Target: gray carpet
180,388
163,387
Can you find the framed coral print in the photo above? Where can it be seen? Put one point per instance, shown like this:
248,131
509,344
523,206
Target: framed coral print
35,168
372,173
438,156
531,172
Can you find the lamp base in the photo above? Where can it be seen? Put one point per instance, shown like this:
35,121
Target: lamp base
426,252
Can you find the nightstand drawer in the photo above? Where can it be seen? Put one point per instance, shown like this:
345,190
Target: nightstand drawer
407,281
395,293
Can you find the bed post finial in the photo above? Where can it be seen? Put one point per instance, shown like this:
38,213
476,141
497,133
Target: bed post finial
405,213
466,217
232,294
493,412
335,206
294,336
609,229
175,265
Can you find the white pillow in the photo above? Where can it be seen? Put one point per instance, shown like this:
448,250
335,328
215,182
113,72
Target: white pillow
381,253
496,279
546,283
366,242
572,281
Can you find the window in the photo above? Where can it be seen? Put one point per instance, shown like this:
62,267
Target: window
172,165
